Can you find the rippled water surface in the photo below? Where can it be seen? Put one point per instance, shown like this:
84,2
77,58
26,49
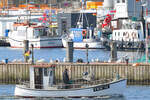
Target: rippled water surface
60,53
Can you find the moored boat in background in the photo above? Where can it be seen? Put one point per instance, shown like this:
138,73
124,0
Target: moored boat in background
130,36
81,37
38,35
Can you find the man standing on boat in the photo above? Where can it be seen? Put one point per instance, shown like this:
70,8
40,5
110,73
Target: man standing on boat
66,76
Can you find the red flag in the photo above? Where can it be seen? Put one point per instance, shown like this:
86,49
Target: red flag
146,11
113,11
107,20
44,14
45,19
40,19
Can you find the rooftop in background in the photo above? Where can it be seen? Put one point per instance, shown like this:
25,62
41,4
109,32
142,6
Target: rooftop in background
56,3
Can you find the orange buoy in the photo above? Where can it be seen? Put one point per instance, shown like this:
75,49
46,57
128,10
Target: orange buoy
83,32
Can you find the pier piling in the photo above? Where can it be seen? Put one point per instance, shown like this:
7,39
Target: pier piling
26,49
32,46
69,51
113,51
87,46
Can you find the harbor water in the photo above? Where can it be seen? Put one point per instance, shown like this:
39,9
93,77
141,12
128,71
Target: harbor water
52,54
130,93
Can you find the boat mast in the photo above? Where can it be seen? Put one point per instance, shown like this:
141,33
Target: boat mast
7,8
82,12
134,8
27,16
80,20
51,27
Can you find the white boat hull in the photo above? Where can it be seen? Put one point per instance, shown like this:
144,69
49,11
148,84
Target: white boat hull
114,88
38,43
82,45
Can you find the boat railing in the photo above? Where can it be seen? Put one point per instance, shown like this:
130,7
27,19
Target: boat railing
72,85
25,83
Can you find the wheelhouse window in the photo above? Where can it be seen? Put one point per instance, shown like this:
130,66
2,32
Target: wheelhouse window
118,33
45,71
51,73
40,32
15,28
123,1
124,33
148,25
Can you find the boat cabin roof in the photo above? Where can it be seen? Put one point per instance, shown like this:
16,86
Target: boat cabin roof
44,66
32,25
23,24
37,26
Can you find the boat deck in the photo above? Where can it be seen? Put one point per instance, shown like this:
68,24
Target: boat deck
75,84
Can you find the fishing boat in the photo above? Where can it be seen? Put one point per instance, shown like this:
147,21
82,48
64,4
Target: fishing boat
38,35
130,36
82,35
42,84
6,22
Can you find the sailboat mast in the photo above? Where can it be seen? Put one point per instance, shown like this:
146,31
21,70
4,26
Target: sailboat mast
82,12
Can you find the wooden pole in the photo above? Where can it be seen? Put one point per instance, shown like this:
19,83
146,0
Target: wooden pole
87,46
113,51
26,48
32,53
69,51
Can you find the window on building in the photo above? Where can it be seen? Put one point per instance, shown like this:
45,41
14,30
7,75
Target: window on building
124,33
51,73
123,1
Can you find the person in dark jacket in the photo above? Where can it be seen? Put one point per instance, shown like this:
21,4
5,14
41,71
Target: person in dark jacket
66,76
